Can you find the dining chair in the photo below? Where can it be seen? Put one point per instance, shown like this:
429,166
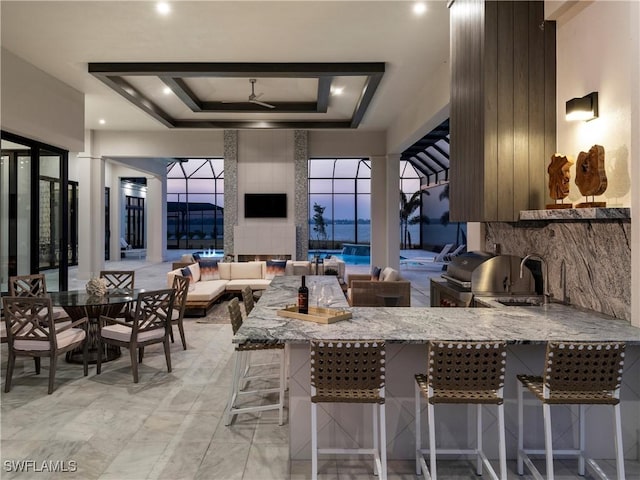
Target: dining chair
34,285
181,287
120,282
461,373
575,373
150,323
31,332
350,371
241,369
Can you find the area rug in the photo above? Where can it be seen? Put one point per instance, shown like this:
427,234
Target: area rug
219,313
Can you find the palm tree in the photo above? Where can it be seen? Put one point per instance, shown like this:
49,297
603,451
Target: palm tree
319,225
408,207
444,218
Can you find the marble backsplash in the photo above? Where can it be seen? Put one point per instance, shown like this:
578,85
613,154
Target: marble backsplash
596,254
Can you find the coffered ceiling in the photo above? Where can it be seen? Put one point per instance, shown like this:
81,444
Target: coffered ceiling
378,54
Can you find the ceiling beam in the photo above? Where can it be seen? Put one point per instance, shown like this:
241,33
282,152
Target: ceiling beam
324,90
259,124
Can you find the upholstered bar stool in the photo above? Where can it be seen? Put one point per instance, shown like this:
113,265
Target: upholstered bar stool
242,367
349,371
458,373
578,373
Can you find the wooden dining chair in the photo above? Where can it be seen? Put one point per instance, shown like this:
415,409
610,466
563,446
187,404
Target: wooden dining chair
181,287
34,285
120,282
31,332
150,323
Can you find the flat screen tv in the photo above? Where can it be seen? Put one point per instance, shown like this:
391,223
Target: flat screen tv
265,205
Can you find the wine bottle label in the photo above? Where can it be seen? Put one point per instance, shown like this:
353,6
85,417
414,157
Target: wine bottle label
303,302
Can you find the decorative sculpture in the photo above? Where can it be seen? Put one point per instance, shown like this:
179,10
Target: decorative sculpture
96,287
559,177
591,177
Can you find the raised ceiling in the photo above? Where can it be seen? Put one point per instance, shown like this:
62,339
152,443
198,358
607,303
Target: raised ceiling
63,38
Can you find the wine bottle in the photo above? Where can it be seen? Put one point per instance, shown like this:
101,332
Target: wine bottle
303,297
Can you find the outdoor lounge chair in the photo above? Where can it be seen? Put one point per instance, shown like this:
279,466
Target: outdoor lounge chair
439,258
455,253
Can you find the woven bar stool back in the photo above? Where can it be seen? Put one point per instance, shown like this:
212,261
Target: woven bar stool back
575,373
458,373
243,366
247,299
349,371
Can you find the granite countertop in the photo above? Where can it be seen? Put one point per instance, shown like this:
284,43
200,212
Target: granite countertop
530,324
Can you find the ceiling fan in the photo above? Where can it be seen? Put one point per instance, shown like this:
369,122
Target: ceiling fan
253,98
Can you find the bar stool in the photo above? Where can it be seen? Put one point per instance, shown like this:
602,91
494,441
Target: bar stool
349,371
242,366
577,373
462,372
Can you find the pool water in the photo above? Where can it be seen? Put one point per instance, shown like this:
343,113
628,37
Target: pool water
347,259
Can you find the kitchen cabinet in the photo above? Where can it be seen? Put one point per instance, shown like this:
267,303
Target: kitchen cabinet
503,108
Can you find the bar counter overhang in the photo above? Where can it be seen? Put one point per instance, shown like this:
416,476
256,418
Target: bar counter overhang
406,331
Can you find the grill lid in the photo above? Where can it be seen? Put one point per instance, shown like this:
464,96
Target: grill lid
462,266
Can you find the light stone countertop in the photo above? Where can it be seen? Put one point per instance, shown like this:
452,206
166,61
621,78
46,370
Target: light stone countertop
530,324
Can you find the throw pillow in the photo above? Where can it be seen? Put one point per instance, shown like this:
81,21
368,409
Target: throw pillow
185,272
196,256
275,268
375,273
208,270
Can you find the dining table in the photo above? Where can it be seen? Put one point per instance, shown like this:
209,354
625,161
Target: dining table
78,304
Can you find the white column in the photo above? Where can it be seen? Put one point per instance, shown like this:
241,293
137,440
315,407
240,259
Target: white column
91,228
385,208
156,219
634,154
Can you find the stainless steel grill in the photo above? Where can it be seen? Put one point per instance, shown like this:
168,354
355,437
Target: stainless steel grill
480,274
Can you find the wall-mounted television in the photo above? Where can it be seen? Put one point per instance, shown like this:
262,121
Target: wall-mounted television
265,205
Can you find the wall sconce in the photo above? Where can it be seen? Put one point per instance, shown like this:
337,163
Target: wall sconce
584,108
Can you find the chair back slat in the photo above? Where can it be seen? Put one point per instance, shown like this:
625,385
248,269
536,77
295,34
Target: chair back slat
153,310
466,365
247,299
27,285
235,314
119,280
181,287
348,364
584,366
29,318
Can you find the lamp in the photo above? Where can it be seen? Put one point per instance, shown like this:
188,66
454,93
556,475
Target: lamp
584,108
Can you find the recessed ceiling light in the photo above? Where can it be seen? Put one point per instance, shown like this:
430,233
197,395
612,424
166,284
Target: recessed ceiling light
337,90
102,121
163,8
166,90
419,8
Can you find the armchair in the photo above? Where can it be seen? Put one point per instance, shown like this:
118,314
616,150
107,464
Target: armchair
364,292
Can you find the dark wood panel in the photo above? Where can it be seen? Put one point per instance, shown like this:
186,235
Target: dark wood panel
521,89
538,159
491,99
550,90
505,111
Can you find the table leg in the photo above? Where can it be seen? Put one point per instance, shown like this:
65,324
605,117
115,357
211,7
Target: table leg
93,312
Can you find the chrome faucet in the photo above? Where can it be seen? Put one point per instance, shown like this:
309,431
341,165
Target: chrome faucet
546,293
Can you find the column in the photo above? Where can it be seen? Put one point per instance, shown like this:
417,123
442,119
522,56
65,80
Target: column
230,188
91,228
156,218
385,205
301,196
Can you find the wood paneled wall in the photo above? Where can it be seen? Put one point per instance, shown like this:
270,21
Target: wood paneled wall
502,108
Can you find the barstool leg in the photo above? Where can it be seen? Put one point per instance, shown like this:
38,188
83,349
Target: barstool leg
478,439
383,440
520,429
618,442
548,446
237,365
314,441
502,443
376,438
418,427
581,438
432,440
283,384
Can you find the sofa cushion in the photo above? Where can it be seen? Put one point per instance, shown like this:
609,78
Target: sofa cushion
275,268
208,270
246,270
206,291
195,272
224,270
389,275
254,283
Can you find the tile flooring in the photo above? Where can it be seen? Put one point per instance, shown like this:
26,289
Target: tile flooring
170,425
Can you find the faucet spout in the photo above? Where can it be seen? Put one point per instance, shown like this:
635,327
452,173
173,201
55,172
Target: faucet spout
546,293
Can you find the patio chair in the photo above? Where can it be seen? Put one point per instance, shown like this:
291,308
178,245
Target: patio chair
181,287
35,286
439,258
455,253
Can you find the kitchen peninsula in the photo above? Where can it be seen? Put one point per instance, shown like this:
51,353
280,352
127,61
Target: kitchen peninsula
406,331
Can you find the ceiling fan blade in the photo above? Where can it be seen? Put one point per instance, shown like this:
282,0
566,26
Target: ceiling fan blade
268,105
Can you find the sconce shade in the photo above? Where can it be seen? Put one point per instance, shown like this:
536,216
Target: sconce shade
584,108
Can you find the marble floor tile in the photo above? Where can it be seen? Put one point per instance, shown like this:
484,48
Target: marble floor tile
224,461
267,462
